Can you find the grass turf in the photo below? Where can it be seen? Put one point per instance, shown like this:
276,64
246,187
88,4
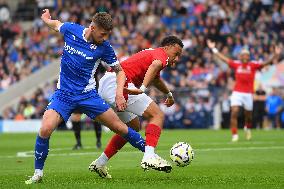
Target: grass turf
218,163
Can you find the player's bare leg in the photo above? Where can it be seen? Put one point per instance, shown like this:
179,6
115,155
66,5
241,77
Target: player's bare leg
248,124
51,120
150,160
234,123
111,120
155,118
114,145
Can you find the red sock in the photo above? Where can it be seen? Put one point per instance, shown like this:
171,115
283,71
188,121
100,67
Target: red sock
153,133
115,144
248,126
234,130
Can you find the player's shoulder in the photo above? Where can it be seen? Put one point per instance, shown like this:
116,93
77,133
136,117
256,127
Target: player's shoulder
161,55
106,45
156,52
149,50
71,27
254,62
153,53
236,61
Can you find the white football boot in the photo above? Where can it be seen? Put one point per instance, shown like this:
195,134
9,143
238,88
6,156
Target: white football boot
36,178
235,138
102,171
248,133
157,163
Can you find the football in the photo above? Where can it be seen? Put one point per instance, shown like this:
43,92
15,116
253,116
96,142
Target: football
182,154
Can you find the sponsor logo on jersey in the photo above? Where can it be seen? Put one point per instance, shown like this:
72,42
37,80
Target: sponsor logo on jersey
245,70
72,50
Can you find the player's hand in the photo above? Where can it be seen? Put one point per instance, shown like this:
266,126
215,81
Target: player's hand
169,101
278,50
45,14
211,44
120,103
133,91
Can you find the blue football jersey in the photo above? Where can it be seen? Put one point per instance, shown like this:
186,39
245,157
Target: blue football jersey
80,59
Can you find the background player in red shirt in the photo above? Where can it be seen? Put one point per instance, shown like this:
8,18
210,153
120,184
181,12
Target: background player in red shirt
141,69
242,95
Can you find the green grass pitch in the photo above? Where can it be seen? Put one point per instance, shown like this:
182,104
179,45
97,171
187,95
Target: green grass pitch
218,163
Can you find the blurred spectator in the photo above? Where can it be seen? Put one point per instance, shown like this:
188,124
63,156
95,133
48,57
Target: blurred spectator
8,113
168,111
189,118
43,4
175,120
226,111
282,112
5,14
259,107
25,52
20,113
274,104
140,24
29,111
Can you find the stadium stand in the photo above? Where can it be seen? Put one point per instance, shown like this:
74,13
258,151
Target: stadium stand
197,81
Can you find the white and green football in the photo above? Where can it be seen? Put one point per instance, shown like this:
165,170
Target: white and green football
182,154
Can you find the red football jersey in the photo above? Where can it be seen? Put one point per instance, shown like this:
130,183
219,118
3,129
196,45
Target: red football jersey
244,74
136,66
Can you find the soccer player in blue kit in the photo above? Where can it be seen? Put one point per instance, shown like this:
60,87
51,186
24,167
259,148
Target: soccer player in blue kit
84,49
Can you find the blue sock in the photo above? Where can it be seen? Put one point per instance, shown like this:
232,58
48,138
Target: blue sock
135,139
41,151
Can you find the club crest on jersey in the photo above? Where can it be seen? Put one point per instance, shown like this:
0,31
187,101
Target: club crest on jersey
92,46
246,69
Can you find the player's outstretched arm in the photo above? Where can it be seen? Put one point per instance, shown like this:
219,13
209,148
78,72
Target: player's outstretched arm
46,18
216,52
275,56
151,73
160,84
120,81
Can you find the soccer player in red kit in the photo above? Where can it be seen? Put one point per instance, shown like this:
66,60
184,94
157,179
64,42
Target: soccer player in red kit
142,70
243,91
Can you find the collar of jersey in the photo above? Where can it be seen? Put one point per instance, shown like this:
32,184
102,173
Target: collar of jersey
83,34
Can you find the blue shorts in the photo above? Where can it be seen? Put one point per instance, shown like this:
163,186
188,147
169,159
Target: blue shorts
66,103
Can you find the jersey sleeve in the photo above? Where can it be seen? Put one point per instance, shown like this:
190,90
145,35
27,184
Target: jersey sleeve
256,65
108,55
280,102
65,27
232,64
267,102
159,56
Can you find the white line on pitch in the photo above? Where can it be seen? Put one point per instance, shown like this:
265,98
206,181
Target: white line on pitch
29,153
194,144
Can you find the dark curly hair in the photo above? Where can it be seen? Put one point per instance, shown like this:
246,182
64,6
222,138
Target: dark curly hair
171,40
103,20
